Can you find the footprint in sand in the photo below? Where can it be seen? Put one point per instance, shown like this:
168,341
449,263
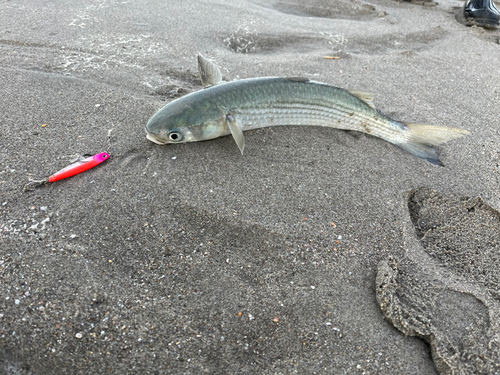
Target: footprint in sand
446,288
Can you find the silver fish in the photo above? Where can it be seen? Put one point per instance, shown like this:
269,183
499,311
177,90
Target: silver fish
223,108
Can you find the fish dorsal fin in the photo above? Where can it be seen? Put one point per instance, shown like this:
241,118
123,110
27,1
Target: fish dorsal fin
297,79
210,75
364,96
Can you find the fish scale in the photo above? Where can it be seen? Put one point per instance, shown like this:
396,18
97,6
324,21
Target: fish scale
295,104
308,114
233,107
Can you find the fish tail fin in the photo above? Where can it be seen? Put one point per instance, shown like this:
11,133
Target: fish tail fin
423,138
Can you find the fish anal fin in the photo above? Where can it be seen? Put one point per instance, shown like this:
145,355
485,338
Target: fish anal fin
210,75
364,96
236,132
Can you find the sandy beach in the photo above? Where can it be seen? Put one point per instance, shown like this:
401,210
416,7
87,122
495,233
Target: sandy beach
319,251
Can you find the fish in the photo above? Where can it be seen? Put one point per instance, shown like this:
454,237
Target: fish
222,108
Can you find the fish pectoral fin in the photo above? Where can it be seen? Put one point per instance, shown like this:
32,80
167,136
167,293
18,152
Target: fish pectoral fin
210,75
364,96
236,132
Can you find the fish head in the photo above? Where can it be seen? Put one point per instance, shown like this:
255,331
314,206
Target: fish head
165,135
185,120
167,127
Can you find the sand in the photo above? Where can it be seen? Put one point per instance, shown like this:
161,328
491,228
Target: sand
319,251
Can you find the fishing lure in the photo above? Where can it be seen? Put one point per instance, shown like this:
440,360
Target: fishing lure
79,167
71,170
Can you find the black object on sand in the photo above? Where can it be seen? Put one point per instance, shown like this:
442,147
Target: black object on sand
482,13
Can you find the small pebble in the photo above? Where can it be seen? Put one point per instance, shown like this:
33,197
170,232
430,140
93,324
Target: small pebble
79,335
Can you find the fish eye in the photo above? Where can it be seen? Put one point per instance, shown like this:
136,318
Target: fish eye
175,136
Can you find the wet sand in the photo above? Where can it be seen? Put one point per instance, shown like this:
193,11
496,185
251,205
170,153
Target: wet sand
318,251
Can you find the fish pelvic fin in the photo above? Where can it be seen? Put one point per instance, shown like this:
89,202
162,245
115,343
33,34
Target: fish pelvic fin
423,138
236,132
210,75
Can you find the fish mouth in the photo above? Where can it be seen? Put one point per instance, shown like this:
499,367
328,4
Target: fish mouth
153,139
